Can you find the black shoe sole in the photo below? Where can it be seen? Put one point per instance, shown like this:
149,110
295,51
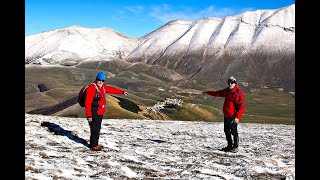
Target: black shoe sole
225,150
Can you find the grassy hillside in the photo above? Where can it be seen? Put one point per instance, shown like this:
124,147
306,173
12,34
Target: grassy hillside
263,105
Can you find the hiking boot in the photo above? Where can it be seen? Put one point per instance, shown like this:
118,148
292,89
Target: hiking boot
96,148
228,148
235,150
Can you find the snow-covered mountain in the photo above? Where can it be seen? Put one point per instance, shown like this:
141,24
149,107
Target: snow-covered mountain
251,29
268,29
71,45
255,46
56,148
214,47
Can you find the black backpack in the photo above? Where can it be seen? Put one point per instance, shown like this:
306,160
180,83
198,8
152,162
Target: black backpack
83,93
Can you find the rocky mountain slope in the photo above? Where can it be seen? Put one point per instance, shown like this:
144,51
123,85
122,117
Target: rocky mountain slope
256,46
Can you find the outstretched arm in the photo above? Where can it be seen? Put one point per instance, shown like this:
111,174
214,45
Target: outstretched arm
113,90
220,93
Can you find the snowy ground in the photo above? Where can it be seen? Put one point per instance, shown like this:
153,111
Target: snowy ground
141,149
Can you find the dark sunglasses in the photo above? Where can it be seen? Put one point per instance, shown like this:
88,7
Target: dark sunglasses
231,81
100,80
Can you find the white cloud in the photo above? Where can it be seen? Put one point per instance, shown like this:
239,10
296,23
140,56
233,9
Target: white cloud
166,13
134,9
129,12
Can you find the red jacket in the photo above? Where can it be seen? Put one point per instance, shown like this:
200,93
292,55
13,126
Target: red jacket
91,93
233,106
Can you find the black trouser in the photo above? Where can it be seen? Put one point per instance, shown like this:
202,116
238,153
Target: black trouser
95,126
230,127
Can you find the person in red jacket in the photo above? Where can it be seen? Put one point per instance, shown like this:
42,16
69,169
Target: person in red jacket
233,109
95,106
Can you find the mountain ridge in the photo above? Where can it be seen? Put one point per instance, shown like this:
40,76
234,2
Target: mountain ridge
260,44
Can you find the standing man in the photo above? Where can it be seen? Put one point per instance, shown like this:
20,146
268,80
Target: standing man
95,106
233,109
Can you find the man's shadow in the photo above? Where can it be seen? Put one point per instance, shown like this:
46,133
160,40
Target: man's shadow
57,130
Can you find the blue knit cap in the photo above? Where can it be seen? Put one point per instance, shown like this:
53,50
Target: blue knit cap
101,76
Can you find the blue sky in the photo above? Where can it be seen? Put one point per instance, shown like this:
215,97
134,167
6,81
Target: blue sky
131,17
